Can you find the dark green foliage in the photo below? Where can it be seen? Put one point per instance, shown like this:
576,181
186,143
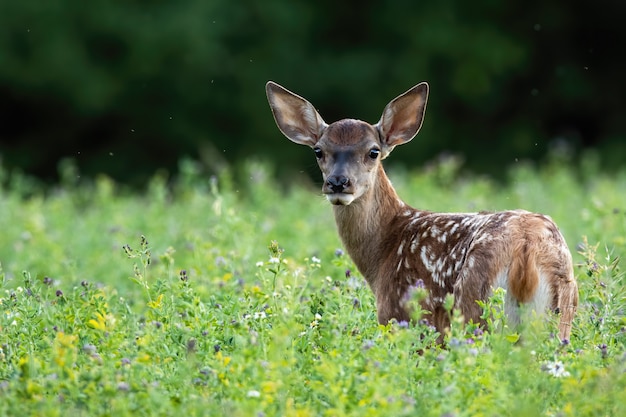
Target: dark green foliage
132,86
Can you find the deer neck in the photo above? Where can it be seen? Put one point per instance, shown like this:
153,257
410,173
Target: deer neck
363,224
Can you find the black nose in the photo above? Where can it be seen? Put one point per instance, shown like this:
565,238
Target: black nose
338,183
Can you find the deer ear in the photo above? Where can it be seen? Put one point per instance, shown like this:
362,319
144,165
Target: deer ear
296,118
403,116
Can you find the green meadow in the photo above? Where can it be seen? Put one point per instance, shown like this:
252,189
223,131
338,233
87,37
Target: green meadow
231,296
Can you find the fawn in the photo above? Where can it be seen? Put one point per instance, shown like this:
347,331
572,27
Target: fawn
396,246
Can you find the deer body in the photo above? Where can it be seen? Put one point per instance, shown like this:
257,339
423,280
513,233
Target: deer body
396,246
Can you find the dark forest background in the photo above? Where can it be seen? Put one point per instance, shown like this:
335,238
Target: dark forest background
127,88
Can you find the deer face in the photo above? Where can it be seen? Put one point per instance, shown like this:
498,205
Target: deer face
348,154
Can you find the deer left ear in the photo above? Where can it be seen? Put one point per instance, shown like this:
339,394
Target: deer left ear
296,118
403,116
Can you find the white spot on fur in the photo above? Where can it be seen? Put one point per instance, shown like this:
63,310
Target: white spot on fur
484,238
424,255
401,248
414,244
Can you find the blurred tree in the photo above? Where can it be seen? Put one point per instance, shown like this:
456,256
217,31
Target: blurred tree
130,87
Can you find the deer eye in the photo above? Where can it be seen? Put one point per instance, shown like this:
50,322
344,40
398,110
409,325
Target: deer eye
318,153
374,153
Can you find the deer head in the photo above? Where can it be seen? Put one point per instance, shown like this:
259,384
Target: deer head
348,151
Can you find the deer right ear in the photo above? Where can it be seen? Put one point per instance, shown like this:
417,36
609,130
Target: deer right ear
296,117
403,116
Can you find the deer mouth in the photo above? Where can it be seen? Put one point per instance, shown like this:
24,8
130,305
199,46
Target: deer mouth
340,199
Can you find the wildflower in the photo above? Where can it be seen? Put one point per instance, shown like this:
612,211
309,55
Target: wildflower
348,273
274,260
125,361
416,292
556,369
191,345
603,350
367,344
253,394
260,315
47,281
478,332
403,324
123,386
338,253
454,342
59,293
89,348
183,276
259,264
316,260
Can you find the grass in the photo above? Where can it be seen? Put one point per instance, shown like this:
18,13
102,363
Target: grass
197,298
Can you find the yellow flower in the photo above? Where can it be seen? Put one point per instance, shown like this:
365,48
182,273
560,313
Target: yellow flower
102,322
156,303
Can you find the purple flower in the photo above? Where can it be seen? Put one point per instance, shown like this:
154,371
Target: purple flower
89,348
367,344
59,293
183,276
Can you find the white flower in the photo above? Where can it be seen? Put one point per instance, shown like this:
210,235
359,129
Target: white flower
274,260
260,315
315,260
259,264
253,394
556,369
